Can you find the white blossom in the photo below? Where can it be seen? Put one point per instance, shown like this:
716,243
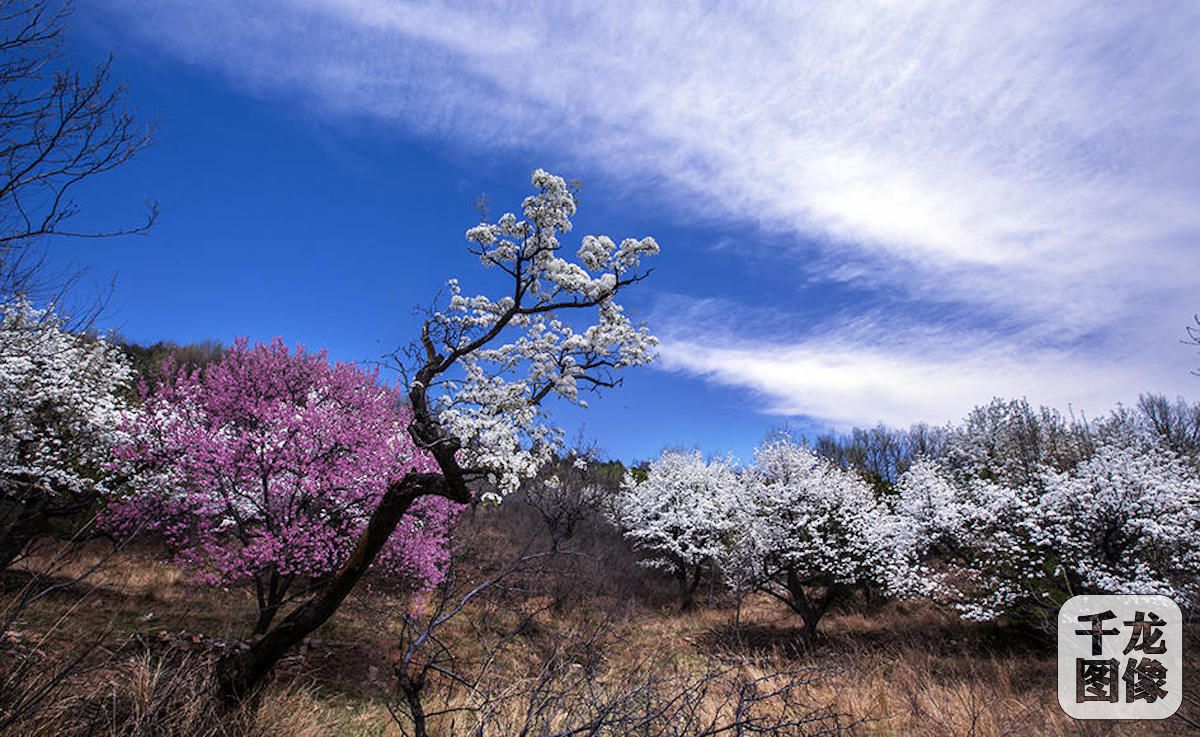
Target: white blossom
1123,519
512,352
61,404
682,515
810,530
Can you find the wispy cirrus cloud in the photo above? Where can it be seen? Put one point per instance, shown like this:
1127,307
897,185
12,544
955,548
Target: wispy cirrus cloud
1030,170
875,368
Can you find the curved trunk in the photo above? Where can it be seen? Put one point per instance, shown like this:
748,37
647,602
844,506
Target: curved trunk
240,674
810,608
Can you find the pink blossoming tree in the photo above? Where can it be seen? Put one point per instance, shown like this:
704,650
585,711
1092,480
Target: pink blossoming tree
264,468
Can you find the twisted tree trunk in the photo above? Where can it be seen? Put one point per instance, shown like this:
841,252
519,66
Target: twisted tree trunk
240,675
810,608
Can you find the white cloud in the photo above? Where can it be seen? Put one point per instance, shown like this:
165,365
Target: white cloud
849,385
1037,163
877,368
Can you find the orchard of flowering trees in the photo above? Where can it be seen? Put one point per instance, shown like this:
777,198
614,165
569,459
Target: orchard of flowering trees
1043,511
1003,516
792,525
268,467
276,480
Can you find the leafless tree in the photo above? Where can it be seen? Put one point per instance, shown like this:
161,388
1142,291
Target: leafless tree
426,660
1193,333
29,679
571,693
571,491
1176,423
926,441
59,128
879,454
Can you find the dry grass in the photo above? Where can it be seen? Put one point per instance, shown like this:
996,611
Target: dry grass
904,669
146,696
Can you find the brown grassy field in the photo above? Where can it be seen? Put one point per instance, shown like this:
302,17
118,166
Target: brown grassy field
900,668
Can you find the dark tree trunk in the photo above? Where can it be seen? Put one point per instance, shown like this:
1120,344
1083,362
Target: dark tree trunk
265,616
688,582
270,598
416,707
810,608
21,521
240,675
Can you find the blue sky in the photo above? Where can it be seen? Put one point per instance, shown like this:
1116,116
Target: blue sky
868,211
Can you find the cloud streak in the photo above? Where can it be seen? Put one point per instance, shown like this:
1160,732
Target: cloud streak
1033,167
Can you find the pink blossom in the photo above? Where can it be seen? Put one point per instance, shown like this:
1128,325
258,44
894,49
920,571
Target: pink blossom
264,468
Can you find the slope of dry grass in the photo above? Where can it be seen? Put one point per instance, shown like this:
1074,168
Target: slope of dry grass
903,668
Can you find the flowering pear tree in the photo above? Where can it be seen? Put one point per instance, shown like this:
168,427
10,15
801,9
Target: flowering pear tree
1125,520
813,533
681,515
980,537
477,379
264,467
61,397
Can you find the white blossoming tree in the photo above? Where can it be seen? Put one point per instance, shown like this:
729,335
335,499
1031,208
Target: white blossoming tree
1011,442
681,515
1124,521
978,535
813,533
61,397
478,377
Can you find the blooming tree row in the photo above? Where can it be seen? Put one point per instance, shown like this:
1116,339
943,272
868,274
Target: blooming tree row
1018,510
1123,520
793,525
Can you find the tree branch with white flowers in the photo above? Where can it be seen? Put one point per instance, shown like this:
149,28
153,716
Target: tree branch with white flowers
477,379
